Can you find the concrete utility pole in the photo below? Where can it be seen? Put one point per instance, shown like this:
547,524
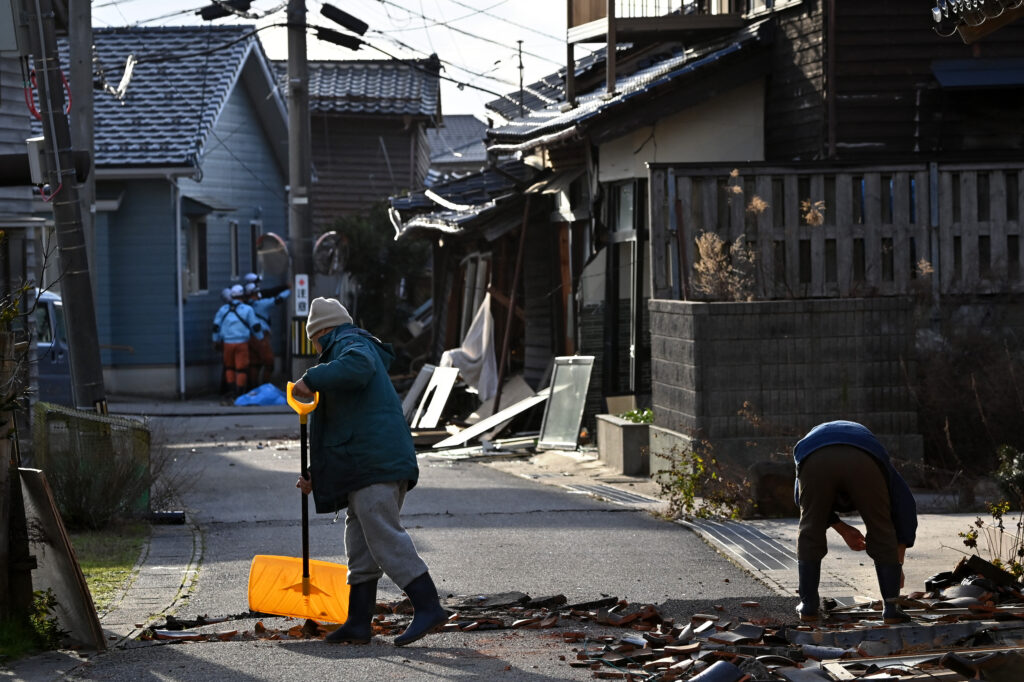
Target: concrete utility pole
299,145
80,53
79,309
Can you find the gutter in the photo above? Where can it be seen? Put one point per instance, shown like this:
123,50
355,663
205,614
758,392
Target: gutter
573,133
155,173
176,193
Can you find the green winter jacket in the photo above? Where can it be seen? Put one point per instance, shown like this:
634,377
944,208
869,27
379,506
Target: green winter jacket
358,435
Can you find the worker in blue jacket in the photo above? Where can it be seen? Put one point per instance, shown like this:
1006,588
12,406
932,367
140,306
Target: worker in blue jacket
842,467
233,324
261,351
362,459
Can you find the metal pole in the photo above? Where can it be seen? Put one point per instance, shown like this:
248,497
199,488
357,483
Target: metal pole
522,110
76,286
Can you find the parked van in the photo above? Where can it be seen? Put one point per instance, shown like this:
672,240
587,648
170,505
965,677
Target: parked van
52,357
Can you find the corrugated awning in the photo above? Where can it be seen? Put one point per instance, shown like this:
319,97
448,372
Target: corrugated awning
979,73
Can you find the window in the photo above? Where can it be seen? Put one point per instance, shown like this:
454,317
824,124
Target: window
236,257
623,197
476,276
195,274
255,230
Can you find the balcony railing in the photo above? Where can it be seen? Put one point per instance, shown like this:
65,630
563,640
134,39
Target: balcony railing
844,231
589,19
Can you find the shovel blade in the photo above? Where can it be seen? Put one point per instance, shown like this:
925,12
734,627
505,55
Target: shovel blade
276,586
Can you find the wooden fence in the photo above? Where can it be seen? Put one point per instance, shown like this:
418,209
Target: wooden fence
849,231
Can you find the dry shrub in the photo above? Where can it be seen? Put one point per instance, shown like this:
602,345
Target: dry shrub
697,485
98,476
970,396
813,212
723,271
757,205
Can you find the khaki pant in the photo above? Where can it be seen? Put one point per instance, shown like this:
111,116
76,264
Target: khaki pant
848,473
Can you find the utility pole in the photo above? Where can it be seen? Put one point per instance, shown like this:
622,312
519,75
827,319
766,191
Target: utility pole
80,53
299,151
62,194
299,146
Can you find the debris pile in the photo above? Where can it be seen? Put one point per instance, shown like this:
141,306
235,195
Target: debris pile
968,624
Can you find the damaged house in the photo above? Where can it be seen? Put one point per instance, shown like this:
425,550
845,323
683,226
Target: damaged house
856,168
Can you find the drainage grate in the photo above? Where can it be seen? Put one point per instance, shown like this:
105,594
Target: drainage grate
746,543
613,494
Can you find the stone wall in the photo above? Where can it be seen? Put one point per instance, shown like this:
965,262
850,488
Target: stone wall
708,360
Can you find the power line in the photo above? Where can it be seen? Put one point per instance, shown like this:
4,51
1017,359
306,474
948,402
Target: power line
508,21
466,33
464,16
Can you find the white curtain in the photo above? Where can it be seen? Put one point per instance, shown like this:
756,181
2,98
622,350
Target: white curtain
475,357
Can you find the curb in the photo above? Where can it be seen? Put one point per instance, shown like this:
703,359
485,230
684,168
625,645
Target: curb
165,573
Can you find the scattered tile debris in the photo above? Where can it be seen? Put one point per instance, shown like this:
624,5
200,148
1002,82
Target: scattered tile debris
968,624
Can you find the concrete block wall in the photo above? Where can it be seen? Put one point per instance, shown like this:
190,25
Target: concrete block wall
797,362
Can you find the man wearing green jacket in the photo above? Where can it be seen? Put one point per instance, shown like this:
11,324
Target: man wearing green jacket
362,459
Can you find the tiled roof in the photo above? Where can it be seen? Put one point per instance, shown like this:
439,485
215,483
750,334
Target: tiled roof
656,73
460,139
481,200
174,95
382,87
547,90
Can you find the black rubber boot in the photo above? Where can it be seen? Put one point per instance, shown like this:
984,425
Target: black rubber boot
427,611
889,586
810,574
356,629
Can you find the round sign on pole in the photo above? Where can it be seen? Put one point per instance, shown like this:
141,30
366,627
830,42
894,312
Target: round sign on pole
301,295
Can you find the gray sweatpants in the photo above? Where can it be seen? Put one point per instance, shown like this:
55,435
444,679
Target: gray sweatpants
375,541
844,470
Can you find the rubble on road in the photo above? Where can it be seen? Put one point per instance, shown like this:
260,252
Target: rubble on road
968,624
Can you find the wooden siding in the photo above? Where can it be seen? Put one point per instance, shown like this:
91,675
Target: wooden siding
795,103
878,226
540,281
359,162
888,101
139,293
14,129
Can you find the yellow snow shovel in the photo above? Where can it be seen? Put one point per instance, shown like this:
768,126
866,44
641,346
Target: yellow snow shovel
286,586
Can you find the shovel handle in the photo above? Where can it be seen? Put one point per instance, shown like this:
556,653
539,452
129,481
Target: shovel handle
303,408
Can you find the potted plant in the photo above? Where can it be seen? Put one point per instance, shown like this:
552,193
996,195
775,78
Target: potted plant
622,440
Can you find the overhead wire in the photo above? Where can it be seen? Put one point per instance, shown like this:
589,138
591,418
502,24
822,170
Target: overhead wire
467,33
385,4
439,23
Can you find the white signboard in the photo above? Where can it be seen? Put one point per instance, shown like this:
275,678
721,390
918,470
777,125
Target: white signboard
301,295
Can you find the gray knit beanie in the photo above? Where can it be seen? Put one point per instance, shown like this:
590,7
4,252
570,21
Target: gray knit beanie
325,313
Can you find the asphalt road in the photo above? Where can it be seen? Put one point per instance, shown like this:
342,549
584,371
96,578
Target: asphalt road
481,531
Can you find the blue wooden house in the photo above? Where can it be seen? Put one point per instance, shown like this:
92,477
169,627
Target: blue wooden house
191,173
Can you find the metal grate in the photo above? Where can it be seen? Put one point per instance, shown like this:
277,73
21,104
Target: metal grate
746,543
613,494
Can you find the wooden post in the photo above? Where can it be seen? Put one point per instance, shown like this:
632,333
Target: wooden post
512,304
15,562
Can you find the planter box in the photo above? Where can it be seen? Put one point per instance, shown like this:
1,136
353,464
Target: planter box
622,444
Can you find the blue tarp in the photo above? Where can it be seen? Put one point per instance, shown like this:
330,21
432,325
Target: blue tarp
267,394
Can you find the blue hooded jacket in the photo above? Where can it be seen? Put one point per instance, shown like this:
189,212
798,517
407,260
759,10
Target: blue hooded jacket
904,508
